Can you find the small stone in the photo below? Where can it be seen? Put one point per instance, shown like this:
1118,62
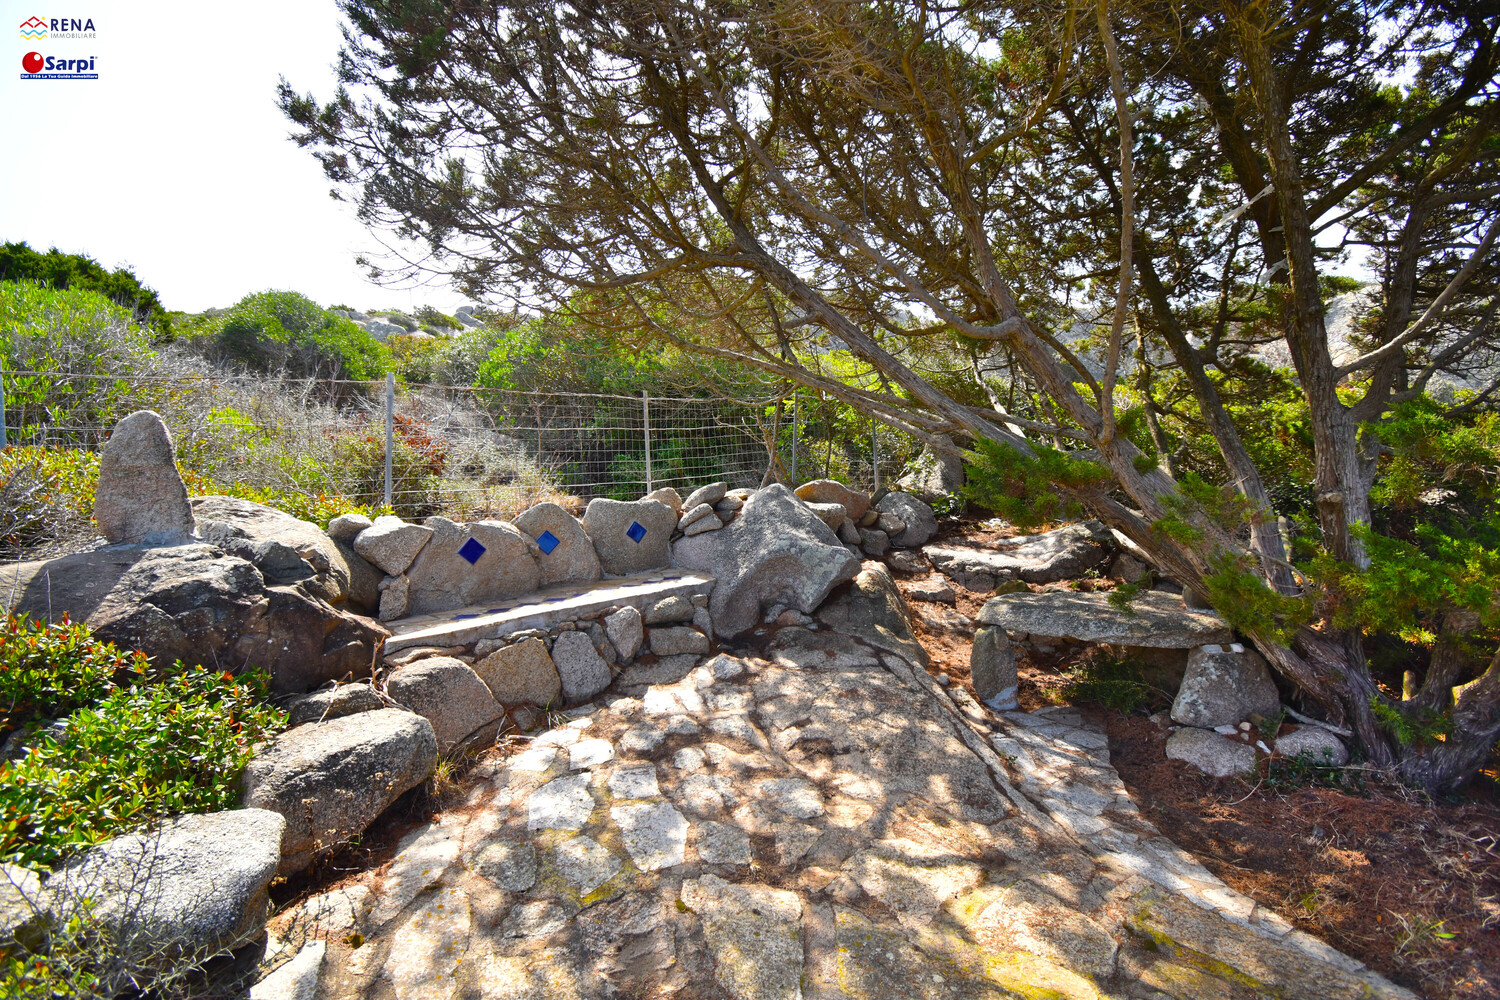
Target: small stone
535,919
729,505
831,514
918,521
710,494
1314,744
669,609
141,499
334,703
395,598
624,630
668,496
590,753
580,668
890,524
521,672
1211,753
702,526
642,739
854,502
510,864
561,804
722,844
679,640
637,782
875,542
689,759
1222,687
933,591
585,863
346,527
655,835
450,695
725,667
793,796
693,515
391,544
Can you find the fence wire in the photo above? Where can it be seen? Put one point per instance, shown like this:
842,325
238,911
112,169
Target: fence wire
462,451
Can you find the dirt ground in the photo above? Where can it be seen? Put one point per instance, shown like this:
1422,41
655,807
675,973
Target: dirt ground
1408,886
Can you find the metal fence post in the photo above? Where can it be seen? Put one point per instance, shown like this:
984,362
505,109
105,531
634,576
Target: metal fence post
794,439
646,426
390,433
2,405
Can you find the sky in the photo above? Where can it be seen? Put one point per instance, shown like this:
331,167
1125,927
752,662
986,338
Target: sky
176,161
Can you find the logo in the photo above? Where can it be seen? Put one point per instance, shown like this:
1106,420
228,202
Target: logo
39,67
33,29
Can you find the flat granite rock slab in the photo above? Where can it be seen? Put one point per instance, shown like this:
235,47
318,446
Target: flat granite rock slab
543,608
1155,619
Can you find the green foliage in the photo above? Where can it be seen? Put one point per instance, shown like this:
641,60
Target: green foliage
166,745
1030,492
1241,596
1411,728
432,318
58,270
276,331
46,495
48,670
1286,774
1114,682
1122,596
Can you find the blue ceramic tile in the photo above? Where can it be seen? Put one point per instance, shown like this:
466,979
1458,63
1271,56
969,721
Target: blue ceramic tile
471,551
461,618
635,532
547,542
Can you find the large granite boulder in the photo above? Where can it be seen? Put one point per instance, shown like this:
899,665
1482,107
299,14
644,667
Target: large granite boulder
140,499
630,536
871,608
855,502
1223,686
566,551
776,552
391,543
331,779
1155,620
192,889
244,528
464,564
196,604
937,471
920,521
1045,558
450,695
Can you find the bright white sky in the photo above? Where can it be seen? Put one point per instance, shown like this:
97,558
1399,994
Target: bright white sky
176,161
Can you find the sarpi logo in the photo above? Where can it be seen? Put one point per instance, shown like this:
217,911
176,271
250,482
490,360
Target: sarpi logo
33,29
36,66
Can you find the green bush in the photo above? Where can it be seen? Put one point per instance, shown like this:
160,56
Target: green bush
58,270
285,331
165,746
50,669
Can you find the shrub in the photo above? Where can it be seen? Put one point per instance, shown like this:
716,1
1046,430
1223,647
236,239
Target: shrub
46,498
164,746
285,331
50,669
58,270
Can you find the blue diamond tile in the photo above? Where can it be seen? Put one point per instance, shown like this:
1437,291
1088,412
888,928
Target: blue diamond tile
636,532
471,551
547,541
463,618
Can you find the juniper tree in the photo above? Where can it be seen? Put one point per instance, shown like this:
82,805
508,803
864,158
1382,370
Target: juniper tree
759,181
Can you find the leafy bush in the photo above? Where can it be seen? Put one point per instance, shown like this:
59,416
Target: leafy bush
163,746
1112,682
1030,492
58,270
285,331
50,669
46,498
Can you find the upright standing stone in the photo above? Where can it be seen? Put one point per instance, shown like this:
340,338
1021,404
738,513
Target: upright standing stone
580,667
468,564
624,630
391,543
141,499
567,552
1223,686
992,668
629,537
920,522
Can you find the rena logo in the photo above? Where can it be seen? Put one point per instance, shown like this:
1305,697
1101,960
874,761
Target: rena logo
33,29
39,67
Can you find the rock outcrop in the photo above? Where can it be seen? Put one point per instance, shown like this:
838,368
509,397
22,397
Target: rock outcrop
192,889
1045,558
140,499
196,604
871,608
1155,620
331,779
776,551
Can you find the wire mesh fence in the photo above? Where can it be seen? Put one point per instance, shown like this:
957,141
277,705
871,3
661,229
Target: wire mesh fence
461,451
